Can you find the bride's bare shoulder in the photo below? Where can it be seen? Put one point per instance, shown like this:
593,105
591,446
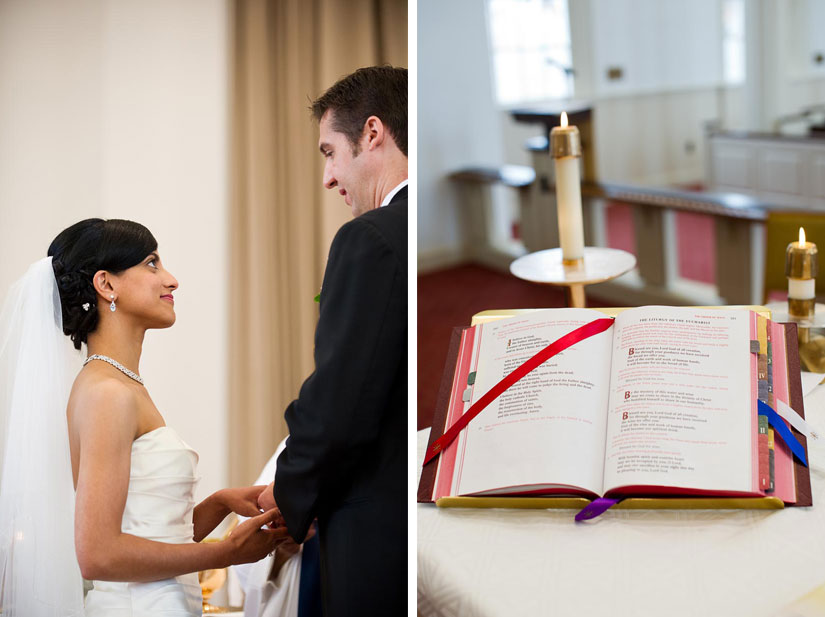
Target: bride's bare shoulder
100,397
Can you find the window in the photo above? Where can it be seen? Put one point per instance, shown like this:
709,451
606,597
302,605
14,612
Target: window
530,45
733,41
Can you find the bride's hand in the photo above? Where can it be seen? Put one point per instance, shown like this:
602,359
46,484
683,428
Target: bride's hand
211,511
252,540
243,500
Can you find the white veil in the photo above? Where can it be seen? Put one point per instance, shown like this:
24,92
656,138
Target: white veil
39,575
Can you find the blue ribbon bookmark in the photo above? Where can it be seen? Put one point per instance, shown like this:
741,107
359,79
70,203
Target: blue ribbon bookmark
595,508
776,421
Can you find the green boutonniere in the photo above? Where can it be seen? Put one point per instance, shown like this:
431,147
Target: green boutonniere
318,297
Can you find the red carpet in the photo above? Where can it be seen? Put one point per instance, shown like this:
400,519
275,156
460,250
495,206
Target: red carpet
451,297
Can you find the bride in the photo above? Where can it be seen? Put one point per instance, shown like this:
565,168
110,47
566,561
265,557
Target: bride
135,532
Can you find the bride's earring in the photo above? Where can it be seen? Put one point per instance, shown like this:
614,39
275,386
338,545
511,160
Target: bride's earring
112,306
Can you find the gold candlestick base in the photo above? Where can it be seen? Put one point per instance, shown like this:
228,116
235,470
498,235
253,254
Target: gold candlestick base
549,267
802,309
812,353
810,332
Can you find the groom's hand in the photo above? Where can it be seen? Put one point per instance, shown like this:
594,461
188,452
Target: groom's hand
243,500
266,498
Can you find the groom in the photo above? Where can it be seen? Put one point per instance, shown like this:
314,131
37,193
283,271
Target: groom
345,461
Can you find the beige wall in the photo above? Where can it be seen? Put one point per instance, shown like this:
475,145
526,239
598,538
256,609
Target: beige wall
119,109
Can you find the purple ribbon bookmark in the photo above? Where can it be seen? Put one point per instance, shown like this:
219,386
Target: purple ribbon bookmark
595,508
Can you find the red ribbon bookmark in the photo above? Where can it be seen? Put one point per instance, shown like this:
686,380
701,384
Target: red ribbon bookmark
579,334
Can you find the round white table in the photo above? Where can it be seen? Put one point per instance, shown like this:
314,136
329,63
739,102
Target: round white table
680,563
600,264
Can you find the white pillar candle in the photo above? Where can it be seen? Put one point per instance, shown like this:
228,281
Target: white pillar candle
569,205
801,289
565,148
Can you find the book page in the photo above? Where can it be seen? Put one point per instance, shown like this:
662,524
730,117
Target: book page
548,428
680,400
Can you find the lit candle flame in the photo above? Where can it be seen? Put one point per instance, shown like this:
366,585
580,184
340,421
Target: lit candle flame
563,119
801,236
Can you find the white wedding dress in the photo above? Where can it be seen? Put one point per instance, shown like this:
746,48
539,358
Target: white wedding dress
158,507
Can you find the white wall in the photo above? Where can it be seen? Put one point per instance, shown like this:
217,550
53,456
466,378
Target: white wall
791,32
458,121
656,44
119,109
654,139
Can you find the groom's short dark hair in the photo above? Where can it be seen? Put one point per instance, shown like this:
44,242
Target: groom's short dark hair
371,91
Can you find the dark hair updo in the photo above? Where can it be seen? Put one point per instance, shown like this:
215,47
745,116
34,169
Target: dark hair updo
81,250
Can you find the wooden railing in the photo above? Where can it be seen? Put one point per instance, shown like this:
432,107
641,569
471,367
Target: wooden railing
738,230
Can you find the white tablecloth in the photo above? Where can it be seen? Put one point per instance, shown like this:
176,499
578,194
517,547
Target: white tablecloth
702,563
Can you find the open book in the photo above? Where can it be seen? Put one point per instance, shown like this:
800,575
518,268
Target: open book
662,404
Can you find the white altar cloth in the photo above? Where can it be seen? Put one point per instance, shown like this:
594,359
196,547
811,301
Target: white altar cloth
697,563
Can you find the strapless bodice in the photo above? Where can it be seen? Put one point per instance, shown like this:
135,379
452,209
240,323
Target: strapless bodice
158,507
161,488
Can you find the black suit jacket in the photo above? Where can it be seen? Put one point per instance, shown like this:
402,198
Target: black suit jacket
345,461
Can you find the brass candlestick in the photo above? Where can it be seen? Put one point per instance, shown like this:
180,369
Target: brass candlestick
565,141
801,266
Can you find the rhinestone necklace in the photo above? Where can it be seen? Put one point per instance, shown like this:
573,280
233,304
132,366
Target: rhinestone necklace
116,364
